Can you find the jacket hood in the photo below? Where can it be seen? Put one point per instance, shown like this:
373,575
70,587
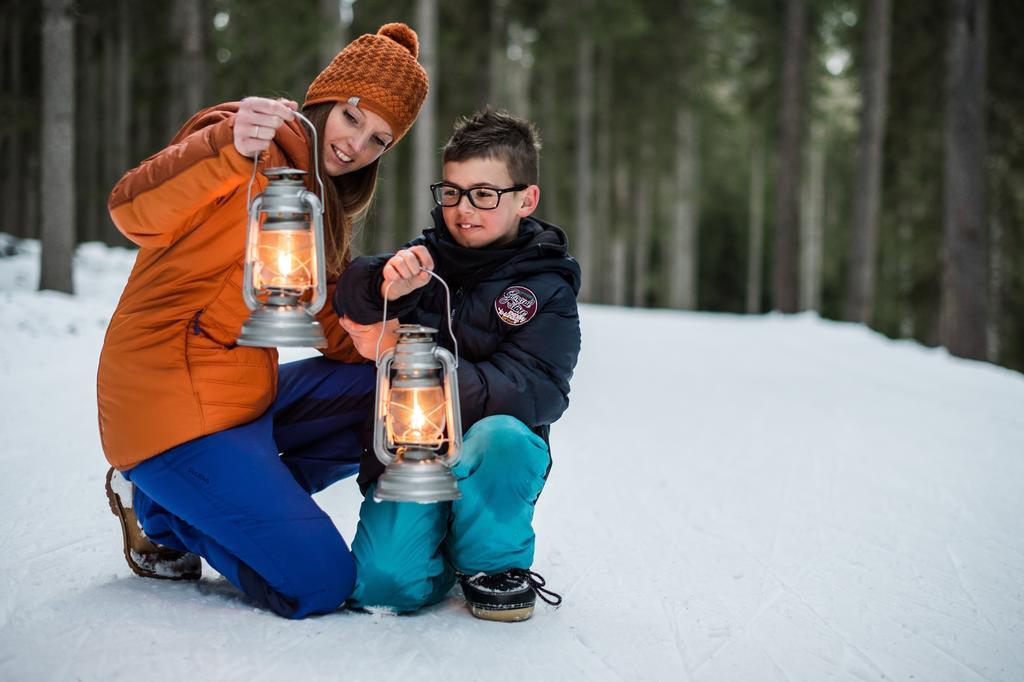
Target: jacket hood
547,250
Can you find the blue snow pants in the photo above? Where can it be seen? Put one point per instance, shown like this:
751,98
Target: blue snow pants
241,498
407,553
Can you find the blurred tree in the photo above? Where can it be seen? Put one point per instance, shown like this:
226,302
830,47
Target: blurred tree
335,17
20,26
697,85
787,213
683,261
584,214
1005,130
755,255
812,219
425,152
58,141
860,288
966,279
191,26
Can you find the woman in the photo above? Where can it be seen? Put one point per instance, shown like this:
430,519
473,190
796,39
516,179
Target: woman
215,451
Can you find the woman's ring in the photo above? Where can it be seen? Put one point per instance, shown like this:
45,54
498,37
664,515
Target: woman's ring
256,133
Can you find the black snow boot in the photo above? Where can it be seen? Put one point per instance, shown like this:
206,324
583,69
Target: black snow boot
508,596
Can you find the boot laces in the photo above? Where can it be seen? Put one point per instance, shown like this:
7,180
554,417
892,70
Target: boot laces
537,582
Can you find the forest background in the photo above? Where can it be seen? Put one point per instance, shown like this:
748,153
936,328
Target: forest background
859,158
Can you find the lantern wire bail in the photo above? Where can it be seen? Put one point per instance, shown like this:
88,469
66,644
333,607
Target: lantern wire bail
448,302
316,164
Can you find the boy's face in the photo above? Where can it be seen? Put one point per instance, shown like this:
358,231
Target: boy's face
476,228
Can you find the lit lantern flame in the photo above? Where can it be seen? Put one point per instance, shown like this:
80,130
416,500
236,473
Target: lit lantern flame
417,416
284,257
285,260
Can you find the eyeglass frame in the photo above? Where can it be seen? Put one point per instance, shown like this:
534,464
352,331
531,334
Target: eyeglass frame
466,193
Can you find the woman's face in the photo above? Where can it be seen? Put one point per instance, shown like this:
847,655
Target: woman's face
353,139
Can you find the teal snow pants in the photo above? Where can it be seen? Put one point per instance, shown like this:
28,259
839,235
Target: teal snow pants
407,553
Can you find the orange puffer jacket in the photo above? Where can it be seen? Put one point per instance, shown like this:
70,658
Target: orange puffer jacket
170,370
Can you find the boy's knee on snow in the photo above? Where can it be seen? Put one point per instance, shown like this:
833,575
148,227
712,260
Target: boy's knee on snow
390,586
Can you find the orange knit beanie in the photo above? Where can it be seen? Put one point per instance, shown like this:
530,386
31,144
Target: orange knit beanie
381,70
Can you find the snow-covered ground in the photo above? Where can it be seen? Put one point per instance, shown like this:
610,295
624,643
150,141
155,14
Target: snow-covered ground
733,498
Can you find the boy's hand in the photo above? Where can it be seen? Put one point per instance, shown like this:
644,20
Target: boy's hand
257,121
364,336
405,272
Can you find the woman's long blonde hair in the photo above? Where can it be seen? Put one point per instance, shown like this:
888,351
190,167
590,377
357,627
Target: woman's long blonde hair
346,197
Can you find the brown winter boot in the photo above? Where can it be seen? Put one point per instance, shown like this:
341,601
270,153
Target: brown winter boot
145,557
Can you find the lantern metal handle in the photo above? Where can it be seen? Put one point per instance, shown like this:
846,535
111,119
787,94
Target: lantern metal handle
316,205
448,303
320,296
252,241
385,456
316,165
452,406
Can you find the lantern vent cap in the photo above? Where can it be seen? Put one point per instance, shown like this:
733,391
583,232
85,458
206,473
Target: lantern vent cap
283,173
415,330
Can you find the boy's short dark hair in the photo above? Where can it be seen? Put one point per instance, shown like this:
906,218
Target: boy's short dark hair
494,134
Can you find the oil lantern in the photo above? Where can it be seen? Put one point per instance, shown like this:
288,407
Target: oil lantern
417,426
284,283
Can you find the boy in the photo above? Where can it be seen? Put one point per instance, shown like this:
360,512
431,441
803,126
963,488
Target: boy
513,287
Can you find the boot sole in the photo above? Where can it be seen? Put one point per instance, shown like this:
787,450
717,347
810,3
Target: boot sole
502,615
118,510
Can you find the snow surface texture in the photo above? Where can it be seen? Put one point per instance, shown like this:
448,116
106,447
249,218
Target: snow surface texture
733,498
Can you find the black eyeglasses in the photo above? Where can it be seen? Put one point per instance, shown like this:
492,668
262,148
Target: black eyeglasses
484,198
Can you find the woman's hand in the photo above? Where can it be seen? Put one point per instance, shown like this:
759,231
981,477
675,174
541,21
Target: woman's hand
257,121
405,272
364,336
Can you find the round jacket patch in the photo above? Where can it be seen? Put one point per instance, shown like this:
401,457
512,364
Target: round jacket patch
516,306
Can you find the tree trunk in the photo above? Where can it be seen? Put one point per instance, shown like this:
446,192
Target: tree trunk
966,280
333,31
623,229
755,254
787,213
860,286
995,290
584,168
425,161
617,266
550,160
121,143
642,191
58,144
88,162
519,71
603,177
683,260
14,209
193,75
905,234
384,228
496,55
812,223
